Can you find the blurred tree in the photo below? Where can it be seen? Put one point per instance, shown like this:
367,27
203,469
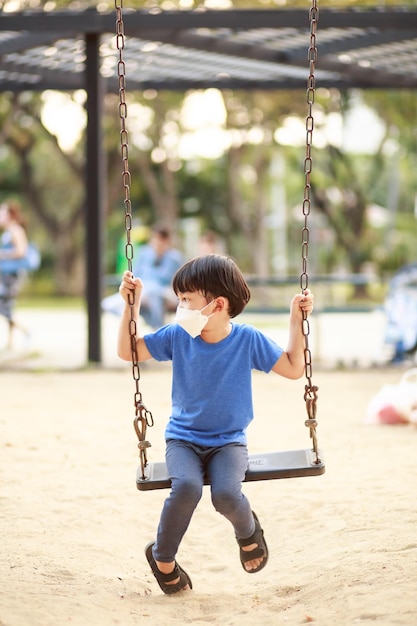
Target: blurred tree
229,193
44,173
346,184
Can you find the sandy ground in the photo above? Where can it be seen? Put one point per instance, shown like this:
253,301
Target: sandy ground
343,546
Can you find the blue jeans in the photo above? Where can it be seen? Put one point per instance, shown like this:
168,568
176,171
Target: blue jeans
187,465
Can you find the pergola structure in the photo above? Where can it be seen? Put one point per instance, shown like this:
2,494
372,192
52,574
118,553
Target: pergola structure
263,49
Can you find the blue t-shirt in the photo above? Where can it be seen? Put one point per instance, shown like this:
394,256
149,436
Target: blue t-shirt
212,382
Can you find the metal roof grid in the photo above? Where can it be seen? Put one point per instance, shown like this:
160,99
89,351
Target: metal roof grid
284,39
396,57
209,63
146,59
26,78
67,54
254,49
7,36
279,39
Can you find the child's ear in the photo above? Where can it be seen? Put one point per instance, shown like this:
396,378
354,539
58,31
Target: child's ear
221,304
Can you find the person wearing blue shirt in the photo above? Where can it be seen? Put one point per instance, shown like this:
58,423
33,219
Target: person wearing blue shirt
212,362
13,247
156,264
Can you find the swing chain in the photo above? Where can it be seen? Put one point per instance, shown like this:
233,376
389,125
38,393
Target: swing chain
310,395
143,417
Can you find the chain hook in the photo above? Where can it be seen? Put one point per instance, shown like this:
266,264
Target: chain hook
140,424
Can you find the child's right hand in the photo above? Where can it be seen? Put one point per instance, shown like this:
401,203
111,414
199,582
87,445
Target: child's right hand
130,286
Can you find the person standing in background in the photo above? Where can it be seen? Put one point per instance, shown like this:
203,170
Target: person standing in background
13,247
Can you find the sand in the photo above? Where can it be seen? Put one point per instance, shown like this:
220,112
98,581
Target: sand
343,546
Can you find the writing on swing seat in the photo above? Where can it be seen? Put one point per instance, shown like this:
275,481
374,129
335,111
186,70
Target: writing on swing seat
262,466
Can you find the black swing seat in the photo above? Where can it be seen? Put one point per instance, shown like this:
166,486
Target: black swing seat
262,466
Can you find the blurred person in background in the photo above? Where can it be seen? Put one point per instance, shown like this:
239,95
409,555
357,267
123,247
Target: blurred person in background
401,314
156,262
13,248
209,243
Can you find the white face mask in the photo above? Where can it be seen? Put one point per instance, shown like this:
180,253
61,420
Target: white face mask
192,321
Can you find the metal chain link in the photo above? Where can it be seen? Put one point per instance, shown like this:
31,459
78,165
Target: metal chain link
310,395
143,417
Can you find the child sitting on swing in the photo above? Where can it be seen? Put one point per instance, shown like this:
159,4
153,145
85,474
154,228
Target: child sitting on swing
212,360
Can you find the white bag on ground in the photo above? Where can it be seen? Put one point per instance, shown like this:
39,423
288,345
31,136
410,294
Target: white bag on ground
395,404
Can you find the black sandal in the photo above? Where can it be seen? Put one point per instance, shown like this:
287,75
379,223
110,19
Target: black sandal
261,552
163,579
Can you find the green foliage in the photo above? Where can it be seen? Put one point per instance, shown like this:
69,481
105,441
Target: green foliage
398,109
230,194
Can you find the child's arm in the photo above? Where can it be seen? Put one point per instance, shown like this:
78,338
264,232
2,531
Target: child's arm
291,363
130,286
